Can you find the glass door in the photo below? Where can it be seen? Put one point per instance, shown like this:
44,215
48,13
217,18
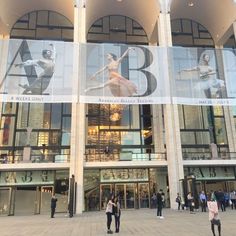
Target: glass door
46,195
144,195
120,192
130,195
106,190
25,200
4,201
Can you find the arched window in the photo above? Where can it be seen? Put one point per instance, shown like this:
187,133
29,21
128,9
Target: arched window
189,33
43,25
116,28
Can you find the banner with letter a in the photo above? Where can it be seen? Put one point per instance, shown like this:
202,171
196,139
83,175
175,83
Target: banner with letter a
38,71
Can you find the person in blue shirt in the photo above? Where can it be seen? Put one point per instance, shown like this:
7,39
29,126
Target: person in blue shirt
203,201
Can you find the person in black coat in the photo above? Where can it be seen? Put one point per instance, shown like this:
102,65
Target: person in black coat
53,205
159,204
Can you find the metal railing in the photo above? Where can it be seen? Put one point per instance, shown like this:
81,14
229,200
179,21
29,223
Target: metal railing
46,158
124,156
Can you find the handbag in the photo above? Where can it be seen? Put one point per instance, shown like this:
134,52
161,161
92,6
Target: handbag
215,221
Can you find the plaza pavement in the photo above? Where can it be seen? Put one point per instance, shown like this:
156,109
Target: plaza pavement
142,222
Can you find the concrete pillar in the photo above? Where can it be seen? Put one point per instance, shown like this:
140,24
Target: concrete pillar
78,128
157,125
157,129
171,117
4,42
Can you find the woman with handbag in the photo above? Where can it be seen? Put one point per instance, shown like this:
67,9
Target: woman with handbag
214,216
190,202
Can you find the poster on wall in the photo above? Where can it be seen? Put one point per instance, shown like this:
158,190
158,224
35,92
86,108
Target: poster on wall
123,74
22,178
211,173
39,71
197,77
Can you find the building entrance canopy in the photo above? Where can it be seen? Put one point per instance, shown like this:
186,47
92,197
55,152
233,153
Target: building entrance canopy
50,71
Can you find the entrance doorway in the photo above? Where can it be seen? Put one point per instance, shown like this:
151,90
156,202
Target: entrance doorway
26,201
5,194
131,195
144,195
45,197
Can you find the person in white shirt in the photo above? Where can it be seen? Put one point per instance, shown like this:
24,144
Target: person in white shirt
109,212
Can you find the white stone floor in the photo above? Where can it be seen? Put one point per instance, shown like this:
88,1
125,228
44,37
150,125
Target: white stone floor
133,222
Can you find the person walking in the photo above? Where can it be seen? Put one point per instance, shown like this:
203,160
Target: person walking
117,213
220,197
214,216
232,197
159,204
178,200
109,212
190,202
53,205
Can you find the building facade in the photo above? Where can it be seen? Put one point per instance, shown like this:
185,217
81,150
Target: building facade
103,149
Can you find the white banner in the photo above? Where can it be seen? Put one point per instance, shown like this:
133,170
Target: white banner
39,71
198,77
123,74
51,71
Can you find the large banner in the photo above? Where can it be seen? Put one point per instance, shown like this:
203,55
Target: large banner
203,76
52,71
123,74
38,71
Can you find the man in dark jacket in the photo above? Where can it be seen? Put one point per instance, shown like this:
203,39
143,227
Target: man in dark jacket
159,204
53,205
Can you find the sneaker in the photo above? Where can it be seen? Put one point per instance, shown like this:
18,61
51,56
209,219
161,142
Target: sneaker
162,217
109,231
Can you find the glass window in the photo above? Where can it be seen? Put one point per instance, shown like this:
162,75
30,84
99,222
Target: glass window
188,138
8,108
43,25
220,131
116,28
193,117
66,108
218,111
186,32
7,131
22,117
56,116
130,138
36,116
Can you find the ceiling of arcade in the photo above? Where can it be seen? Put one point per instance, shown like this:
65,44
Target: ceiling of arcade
215,15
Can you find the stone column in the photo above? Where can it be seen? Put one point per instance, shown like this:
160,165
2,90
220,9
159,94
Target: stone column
78,128
157,125
171,116
3,62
